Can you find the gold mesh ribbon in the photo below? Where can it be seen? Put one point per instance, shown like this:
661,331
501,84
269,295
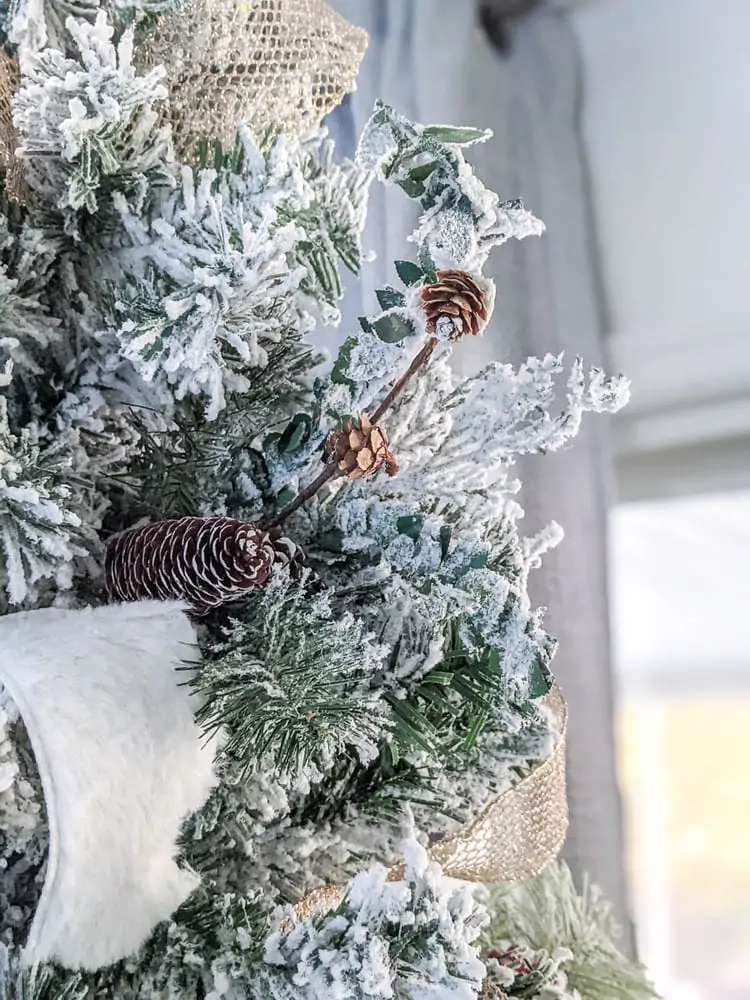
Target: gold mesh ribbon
516,836
280,63
10,77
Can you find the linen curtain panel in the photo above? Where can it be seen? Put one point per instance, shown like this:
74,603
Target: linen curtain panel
431,60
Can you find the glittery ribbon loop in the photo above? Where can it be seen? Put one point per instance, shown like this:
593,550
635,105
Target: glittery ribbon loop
516,835
9,79
278,63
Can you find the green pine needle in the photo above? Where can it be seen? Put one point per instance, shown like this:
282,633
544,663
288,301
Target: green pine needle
288,684
547,913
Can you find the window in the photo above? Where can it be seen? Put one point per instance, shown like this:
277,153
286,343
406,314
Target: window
681,630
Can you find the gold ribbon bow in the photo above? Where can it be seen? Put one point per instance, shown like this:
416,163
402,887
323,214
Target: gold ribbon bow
278,63
516,835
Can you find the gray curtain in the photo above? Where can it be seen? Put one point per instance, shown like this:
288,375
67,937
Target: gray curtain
430,59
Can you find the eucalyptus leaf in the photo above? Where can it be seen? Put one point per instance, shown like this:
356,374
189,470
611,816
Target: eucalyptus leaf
413,184
286,495
428,265
296,434
454,135
410,525
409,272
423,171
393,328
540,680
341,365
390,298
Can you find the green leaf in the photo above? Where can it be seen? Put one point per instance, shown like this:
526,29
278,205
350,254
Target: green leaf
365,324
390,298
428,265
540,680
218,157
422,172
411,525
331,541
475,729
286,495
393,328
443,678
445,540
296,434
413,184
479,560
409,272
456,135
338,373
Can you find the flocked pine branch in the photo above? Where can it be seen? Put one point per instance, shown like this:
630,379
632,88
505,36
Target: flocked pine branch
40,536
88,124
548,914
409,940
327,737
235,265
18,982
40,24
288,685
27,327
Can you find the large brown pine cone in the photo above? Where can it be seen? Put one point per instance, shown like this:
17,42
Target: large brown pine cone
205,561
360,449
454,306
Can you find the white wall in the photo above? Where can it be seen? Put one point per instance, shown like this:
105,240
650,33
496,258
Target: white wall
667,125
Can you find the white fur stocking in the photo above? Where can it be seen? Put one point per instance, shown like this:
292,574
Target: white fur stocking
122,763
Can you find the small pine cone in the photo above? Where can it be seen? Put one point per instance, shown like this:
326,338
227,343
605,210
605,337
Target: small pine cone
454,306
287,553
360,449
205,561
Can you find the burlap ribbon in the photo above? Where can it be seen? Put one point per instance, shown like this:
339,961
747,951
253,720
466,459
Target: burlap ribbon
516,835
278,63
265,63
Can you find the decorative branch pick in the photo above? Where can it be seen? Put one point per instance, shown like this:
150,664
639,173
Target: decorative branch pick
453,306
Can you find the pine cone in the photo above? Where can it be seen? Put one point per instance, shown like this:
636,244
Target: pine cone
287,553
454,306
360,449
205,561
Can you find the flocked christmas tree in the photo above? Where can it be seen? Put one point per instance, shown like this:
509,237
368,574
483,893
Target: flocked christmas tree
339,543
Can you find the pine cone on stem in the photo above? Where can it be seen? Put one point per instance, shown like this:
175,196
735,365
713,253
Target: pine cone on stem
454,306
205,561
360,450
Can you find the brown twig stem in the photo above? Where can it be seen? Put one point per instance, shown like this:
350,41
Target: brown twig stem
332,468
421,359
304,495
